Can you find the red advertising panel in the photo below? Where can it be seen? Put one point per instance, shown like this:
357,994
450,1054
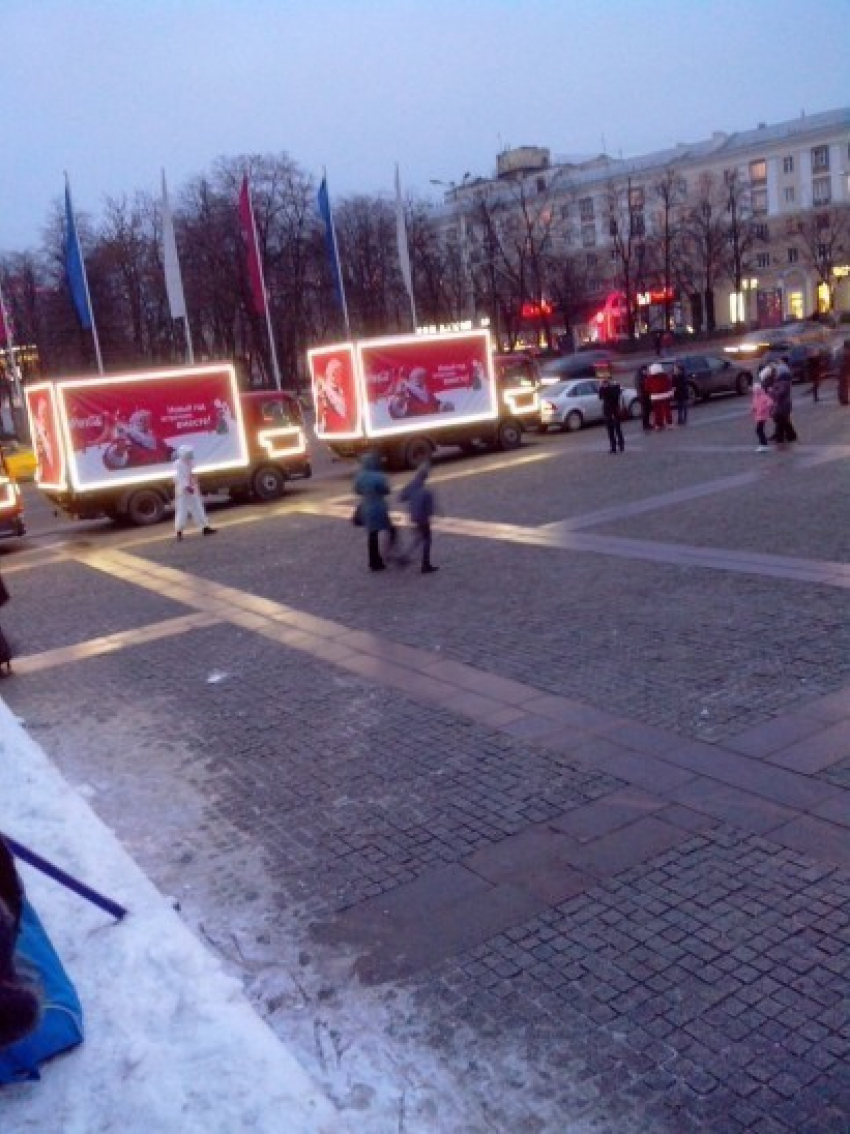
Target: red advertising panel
335,391
128,428
50,471
420,379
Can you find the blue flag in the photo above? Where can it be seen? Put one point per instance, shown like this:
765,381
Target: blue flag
75,269
330,244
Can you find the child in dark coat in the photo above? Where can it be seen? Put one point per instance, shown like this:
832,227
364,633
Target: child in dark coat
420,504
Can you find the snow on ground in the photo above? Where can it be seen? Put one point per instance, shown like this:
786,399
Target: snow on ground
171,1042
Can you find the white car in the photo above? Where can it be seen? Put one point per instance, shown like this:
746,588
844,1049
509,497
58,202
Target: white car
575,403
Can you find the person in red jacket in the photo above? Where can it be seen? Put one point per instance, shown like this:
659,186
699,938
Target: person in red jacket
660,387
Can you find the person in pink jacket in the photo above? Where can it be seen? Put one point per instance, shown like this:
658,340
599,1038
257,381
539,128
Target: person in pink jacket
762,409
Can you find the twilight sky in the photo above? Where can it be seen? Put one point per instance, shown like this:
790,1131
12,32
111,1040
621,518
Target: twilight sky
113,90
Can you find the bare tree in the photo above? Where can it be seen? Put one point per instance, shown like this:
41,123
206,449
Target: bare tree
625,203
824,243
700,255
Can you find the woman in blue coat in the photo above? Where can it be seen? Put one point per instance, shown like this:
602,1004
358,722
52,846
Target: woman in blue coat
372,485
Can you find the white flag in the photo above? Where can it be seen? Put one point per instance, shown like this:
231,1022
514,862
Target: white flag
173,279
403,251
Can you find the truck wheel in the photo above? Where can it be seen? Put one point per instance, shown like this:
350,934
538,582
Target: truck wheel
509,435
417,451
145,506
742,383
268,483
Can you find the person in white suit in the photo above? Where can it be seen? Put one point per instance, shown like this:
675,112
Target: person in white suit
187,494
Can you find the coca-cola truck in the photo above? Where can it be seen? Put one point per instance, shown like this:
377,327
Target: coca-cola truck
406,396
106,446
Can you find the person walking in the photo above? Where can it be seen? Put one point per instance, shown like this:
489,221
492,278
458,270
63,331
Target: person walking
419,498
782,405
187,494
645,400
762,406
814,372
372,485
681,393
611,396
844,376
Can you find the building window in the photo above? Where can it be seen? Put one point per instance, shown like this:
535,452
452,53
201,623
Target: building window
758,170
682,186
565,212
761,232
821,191
820,159
636,198
638,224
788,165
585,208
823,252
588,236
759,200
788,193
615,256
793,256
590,260
763,260
541,184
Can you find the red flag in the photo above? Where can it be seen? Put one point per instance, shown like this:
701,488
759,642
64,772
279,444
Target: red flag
249,235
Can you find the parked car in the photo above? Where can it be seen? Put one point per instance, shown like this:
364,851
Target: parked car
575,402
581,365
11,505
709,374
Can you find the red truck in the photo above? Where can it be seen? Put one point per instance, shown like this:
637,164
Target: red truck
405,396
106,446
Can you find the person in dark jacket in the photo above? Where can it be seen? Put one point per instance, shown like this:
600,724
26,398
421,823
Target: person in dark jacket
372,485
782,405
844,376
611,395
420,504
19,1002
681,393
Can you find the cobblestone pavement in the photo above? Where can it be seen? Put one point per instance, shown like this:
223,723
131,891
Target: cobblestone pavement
554,839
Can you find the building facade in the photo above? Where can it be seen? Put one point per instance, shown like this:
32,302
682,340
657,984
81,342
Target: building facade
743,229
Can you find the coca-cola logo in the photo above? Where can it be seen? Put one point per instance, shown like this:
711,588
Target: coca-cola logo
93,421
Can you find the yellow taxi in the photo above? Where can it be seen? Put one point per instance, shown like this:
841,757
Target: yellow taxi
20,460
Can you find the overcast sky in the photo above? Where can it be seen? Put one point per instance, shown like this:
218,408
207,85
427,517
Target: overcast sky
113,90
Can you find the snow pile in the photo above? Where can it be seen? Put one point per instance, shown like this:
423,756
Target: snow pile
171,1042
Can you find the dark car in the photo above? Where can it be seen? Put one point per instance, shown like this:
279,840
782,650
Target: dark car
709,374
802,359
584,364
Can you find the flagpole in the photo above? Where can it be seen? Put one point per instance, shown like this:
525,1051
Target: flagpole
403,250
272,347
76,238
337,265
174,279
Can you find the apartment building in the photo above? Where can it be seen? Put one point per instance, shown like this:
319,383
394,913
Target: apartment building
753,224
